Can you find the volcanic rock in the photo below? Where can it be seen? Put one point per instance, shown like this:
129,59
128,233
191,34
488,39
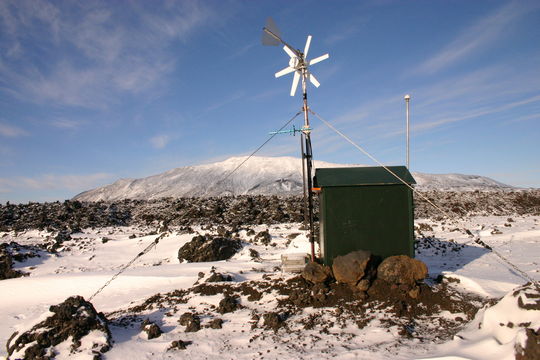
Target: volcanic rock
402,270
352,267
264,237
208,248
179,345
191,321
531,350
316,273
273,320
218,277
227,304
6,264
151,329
71,321
216,323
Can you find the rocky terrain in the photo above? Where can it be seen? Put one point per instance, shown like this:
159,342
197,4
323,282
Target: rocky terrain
73,215
213,282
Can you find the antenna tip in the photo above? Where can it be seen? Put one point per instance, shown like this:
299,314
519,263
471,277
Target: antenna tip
407,97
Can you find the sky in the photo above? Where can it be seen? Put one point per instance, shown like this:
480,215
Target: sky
95,91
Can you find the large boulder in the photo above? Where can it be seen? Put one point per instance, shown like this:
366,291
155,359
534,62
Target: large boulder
73,326
316,273
209,248
351,268
402,270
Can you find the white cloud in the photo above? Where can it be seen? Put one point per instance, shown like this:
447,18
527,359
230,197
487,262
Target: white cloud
11,131
160,141
54,182
476,37
94,52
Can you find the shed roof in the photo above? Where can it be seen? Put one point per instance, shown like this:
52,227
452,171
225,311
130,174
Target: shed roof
373,175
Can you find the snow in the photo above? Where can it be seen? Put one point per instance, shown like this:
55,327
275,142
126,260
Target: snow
91,262
495,330
257,176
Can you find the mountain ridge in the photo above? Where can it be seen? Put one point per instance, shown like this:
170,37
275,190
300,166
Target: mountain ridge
257,176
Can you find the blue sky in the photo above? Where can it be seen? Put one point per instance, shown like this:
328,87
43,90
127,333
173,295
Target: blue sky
94,91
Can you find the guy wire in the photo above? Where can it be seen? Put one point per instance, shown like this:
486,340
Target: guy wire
478,241
155,242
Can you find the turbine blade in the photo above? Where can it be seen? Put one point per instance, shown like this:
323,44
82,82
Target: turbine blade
289,51
314,80
295,82
319,59
285,71
271,35
306,48
271,25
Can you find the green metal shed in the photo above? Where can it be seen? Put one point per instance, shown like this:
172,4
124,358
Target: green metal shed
365,208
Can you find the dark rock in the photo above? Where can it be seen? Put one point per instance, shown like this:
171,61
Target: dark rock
221,231
531,351
216,324
228,304
264,237
105,240
179,345
254,255
191,321
363,285
528,296
316,273
151,329
352,267
6,264
218,277
207,248
72,320
402,270
273,320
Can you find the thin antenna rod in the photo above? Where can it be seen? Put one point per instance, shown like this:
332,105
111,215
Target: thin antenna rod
407,98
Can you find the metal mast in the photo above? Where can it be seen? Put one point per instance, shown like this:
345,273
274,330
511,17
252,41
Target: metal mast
307,158
298,64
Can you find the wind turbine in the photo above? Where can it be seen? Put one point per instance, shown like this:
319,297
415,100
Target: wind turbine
299,64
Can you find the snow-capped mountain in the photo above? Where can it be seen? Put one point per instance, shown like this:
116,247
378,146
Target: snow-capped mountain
257,176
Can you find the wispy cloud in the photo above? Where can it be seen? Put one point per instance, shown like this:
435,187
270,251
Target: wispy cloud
442,120
221,103
344,32
524,118
485,32
11,131
96,51
54,182
66,124
241,51
160,141
493,91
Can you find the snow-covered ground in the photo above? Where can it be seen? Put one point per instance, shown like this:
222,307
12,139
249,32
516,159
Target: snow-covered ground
94,256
